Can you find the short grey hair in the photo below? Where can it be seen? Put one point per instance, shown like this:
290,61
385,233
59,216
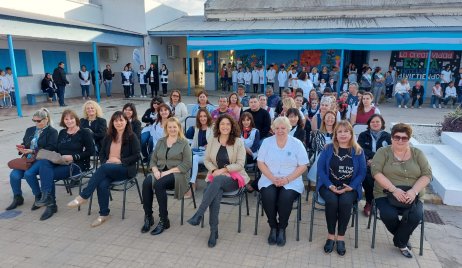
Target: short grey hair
281,120
43,113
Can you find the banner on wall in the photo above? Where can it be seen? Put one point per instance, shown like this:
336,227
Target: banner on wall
413,64
210,61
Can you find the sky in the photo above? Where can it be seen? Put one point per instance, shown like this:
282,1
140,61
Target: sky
192,7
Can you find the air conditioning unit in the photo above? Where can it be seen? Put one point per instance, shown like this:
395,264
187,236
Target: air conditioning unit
172,51
108,54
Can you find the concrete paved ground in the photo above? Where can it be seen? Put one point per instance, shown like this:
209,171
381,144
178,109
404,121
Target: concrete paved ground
67,240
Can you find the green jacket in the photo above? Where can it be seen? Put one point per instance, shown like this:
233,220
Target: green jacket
179,156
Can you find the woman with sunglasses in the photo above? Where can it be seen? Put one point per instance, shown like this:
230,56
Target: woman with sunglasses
178,108
401,173
40,136
149,118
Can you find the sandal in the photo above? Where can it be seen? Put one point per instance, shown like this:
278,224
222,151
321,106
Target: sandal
77,202
100,220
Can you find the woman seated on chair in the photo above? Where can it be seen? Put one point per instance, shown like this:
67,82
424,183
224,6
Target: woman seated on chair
157,129
178,108
40,136
93,120
119,154
374,138
129,111
251,137
297,127
401,173
202,103
202,133
170,164
76,146
341,170
224,160
282,159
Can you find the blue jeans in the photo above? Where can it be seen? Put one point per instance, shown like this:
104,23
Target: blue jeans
108,86
435,100
29,175
146,144
60,92
13,98
85,90
402,97
101,181
49,173
144,89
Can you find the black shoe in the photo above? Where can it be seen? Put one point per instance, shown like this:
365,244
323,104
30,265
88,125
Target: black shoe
49,211
281,240
148,222
329,246
163,224
272,238
17,201
406,252
45,200
212,239
341,250
37,198
409,245
195,220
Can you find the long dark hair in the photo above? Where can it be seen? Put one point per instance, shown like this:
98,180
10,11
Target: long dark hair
209,118
133,108
243,116
112,132
296,112
235,131
156,99
159,118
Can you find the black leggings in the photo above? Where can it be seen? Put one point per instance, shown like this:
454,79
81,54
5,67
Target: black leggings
368,185
277,201
255,88
126,91
338,209
160,186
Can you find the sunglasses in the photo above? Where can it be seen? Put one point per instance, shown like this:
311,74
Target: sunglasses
37,121
402,138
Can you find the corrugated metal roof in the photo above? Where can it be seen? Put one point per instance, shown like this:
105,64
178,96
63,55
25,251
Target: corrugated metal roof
197,26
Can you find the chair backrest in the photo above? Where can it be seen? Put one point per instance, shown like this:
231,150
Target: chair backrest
190,107
358,128
189,122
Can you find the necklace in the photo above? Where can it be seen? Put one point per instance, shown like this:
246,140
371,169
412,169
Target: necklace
402,157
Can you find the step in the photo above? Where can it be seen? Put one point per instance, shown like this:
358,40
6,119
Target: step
450,156
453,139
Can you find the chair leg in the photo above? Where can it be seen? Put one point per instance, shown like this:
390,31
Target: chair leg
374,226
89,204
299,216
139,192
313,207
256,215
369,220
356,226
421,236
125,196
246,202
193,195
110,196
182,210
202,222
240,212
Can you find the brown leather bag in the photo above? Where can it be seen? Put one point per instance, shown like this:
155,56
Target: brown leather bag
22,163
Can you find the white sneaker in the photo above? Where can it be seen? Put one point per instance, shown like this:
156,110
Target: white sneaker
399,106
405,106
434,106
440,106
83,98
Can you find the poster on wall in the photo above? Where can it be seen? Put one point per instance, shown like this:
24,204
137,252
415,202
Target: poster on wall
210,61
413,64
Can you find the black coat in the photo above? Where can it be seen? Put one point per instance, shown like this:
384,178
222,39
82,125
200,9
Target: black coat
129,153
98,127
365,141
48,139
136,127
155,75
300,134
59,76
147,117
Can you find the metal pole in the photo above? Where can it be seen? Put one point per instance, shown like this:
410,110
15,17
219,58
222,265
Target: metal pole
427,72
15,76
187,66
264,74
96,68
340,76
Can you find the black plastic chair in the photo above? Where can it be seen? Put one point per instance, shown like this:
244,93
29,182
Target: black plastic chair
374,214
121,186
299,213
239,195
317,199
172,193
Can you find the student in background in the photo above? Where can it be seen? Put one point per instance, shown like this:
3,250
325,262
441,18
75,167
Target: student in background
107,79
84,77
9,77
142,78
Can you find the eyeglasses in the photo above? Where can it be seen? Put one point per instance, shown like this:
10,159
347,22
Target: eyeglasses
177,96
37,121
402,138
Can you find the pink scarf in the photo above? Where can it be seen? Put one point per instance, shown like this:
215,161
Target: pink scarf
235,176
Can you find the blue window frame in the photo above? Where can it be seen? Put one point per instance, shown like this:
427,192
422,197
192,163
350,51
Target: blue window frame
52,58
19,56
86,58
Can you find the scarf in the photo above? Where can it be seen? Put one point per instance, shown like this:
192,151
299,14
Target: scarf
375,137
246,132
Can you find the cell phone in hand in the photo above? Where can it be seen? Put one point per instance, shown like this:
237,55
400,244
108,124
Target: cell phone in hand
20,146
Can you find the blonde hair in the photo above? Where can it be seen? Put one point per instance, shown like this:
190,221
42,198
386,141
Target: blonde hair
282,120
352,143
99,111
289,103
177,122
323,127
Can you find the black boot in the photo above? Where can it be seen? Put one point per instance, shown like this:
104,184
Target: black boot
46,200
272,238
148,222
195,220
163,224
37,198
281,240
17,201
49,211
213,239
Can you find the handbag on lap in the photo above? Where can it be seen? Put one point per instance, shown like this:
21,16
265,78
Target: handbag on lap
53,157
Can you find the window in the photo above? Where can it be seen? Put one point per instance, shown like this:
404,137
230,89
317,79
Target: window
51,60
86,58
20,58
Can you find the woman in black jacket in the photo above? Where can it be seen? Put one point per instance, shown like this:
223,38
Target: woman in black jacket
48,86
119,154
75,146
372,140
152,75
93,120
129,111
150,115
41,136
296,121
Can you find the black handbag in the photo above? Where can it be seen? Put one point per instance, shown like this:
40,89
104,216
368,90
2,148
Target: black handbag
395,202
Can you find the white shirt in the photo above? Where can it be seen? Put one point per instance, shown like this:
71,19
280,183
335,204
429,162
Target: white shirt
86,76
283,161
4,84
157,132
282,78
446,76
436,91
234,76
9,77
247,78
261,76
240,77
306,86
314,78
142,75
255,77
450,92
270,75
127,74
401,89
293,82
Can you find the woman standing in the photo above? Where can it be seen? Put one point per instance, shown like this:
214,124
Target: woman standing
282,160
366,80
143,80
178,108
119,154
379,84
365,109
401,171
126,78
84,77
235,105
40,136
129,110
341,171
352,73
164,79
325,75
202,103
170,163
224,160
93,120
374,138
153,79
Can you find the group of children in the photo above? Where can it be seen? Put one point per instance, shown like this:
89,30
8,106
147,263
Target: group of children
7,88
